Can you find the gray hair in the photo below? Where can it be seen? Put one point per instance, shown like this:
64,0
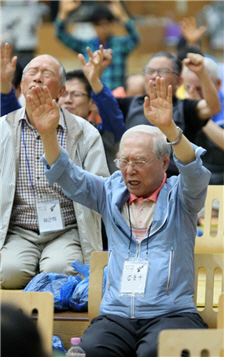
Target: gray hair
212,68
160,147
62,72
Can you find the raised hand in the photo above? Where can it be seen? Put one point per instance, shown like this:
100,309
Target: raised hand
91,69
158,108
118,11
43,110
107,58
66,6
190,31
195,63
8,67
94,67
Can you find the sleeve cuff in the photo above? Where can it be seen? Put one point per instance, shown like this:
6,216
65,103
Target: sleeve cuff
54,172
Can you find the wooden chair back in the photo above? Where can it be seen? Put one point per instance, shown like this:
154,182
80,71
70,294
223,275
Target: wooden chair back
210,262
99,259
43,302
198,343
220,323
208,242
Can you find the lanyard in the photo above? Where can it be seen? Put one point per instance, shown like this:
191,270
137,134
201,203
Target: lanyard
130,223
26,155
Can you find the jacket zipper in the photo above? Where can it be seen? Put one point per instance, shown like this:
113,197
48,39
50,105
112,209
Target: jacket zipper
108,274
170,270
132,306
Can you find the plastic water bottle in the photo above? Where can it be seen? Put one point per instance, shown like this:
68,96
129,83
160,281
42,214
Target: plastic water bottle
75,350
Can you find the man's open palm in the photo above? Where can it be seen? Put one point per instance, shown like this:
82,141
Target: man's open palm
159,109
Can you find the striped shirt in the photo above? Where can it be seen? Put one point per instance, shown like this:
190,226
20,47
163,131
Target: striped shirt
28,190
141,212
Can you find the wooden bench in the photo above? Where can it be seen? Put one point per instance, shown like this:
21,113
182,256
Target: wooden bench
69,324
73,324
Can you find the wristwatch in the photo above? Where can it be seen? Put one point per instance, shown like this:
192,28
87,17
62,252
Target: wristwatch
177,141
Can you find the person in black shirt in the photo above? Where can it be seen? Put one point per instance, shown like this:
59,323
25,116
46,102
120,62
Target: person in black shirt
189,115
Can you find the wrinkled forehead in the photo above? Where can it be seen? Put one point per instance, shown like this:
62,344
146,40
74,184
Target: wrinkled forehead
160,62
141,141
44,61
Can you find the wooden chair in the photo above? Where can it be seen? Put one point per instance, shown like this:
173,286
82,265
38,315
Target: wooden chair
43,302
99,259
198,343
210,262
208,242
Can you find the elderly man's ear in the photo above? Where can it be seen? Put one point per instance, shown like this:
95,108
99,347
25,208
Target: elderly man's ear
61,91
165,160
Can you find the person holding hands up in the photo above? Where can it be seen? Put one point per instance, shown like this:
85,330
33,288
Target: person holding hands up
103,18
150,222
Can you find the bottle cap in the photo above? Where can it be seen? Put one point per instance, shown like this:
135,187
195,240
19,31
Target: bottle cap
75,340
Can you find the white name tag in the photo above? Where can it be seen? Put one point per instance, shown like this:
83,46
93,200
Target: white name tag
49,216
134,278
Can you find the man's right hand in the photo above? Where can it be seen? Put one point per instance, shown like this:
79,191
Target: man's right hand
106,58
65,7
8,67
45,114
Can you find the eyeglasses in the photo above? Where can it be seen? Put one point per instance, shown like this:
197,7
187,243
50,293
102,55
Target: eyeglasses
74,95
122,163
160,71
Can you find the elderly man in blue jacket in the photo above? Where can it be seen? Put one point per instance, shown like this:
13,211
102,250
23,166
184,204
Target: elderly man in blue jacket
150,221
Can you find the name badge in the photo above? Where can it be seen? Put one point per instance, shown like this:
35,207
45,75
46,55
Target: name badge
49,216
134,278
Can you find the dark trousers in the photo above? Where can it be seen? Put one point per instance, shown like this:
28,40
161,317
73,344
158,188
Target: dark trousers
115,336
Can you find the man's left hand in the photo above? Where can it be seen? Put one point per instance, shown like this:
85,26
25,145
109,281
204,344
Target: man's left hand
159,109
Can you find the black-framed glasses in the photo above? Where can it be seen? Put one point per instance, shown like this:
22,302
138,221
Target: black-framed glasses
74,95
122,163
160,71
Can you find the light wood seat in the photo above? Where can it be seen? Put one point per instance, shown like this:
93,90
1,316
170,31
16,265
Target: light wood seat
210,262
70,324
220,323
210,242
43,302
198,342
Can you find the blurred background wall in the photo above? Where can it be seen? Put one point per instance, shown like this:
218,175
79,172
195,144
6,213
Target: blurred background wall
152,18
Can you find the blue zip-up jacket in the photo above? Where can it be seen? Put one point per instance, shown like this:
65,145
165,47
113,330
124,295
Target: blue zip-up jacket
170,279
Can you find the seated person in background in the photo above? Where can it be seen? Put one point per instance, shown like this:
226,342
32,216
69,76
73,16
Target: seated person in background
41,229
189,115
102,18
150,221
19,334
211,136
133,85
